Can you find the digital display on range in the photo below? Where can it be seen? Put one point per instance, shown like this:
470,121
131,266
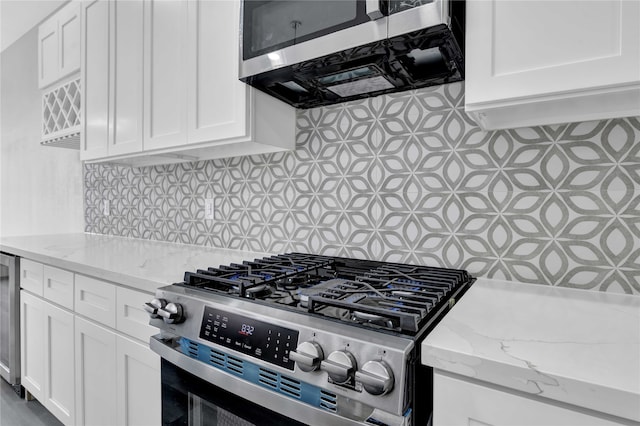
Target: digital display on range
259,339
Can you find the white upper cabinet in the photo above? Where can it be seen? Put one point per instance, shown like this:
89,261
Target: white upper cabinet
112,78
59,45
47,52
126,77
95,79
165,77
211,78
173,88
544,62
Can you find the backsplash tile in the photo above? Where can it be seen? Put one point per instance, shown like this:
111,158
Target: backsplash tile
407,177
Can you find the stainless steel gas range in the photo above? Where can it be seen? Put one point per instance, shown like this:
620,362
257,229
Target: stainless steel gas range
300,339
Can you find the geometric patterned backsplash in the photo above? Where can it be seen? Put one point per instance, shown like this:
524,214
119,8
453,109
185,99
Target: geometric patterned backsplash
407,177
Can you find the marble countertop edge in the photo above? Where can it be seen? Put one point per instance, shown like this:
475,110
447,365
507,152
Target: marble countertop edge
616,401
551,342
137,263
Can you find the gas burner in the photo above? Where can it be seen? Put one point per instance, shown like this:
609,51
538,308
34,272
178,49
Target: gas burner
390,296
282,298
372,319
258,292
295,282
286,272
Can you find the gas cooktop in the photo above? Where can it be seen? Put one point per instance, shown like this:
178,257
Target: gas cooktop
381,295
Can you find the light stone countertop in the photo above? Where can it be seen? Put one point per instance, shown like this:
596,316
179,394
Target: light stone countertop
575,346
140,264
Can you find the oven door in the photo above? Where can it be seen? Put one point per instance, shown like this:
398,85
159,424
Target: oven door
189,400
195,393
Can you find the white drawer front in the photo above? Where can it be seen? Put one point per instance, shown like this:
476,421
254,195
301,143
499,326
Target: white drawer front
96,300
31,274
131,317
58,286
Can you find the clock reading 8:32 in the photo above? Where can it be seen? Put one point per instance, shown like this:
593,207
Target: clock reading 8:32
247,329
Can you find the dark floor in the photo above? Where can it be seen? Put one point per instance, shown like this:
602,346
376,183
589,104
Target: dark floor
19,412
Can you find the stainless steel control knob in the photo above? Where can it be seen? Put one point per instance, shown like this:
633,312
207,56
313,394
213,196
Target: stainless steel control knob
340,365
172,313
307,356
376,377
153,306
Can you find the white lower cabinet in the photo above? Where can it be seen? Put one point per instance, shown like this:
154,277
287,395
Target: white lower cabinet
95,374
46,333
32,276
59,363
117,378
32,343
138,384
90,364
458,402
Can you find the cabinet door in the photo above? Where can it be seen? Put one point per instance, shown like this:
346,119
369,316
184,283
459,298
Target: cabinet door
59,383
69,39
95,299
131,318
217,99
127,69
519,49
47,52
95,79
58,286
458,402
138,384
95,349
31,276
32,343
165,112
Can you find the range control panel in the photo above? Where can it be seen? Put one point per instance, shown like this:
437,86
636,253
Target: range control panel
258,339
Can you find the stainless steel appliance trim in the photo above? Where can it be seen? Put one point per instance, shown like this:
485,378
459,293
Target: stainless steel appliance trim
11,316
346,39
273,401
419,17
281,317
364,344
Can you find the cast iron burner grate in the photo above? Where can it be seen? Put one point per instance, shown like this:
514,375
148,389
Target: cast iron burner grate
250,278
382,295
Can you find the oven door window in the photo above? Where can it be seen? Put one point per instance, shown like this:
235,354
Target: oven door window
188,400
203,413
272,25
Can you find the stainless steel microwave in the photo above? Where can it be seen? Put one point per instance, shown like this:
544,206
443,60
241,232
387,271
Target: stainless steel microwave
310,53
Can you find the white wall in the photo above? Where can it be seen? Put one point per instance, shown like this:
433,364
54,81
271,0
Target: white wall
40,187
19,16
